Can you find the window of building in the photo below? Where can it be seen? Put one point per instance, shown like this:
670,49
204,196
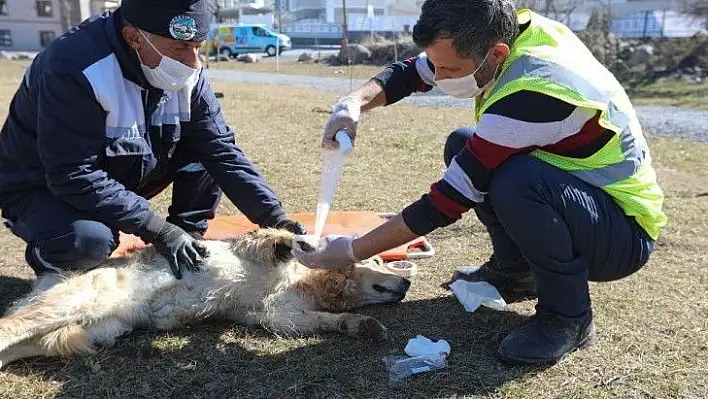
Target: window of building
3,7
5,38
44,8
45,37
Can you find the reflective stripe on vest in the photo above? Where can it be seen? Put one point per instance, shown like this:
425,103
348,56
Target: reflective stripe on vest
633,149
623,166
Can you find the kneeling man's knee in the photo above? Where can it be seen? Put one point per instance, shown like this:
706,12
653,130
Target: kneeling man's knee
456,142
85,245
516,177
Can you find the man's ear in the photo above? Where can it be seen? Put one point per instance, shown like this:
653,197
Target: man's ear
499,52
132,37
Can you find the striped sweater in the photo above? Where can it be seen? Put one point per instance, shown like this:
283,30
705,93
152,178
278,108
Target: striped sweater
517,124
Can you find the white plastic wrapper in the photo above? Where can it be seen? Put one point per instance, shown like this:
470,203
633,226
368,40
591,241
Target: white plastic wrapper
424,355
473,294
402,367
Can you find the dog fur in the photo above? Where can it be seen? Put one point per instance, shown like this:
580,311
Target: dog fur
251,280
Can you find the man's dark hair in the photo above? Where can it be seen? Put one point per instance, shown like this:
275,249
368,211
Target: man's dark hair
473,25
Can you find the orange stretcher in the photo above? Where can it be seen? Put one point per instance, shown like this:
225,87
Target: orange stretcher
346,223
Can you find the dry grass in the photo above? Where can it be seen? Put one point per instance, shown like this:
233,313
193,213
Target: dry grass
653,328
677,93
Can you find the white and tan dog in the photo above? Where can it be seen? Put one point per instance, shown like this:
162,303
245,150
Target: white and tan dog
251,280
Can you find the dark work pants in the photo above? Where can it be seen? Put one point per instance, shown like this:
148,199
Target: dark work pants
566,231
60,237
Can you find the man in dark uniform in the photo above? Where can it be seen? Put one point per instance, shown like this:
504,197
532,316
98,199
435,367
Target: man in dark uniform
108,116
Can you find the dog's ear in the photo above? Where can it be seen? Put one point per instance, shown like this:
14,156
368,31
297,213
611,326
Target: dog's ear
305,246
282,251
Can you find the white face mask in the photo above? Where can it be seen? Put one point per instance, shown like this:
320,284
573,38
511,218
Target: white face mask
170,74
464,87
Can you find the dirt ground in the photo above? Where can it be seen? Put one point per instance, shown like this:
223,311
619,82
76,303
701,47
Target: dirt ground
652,326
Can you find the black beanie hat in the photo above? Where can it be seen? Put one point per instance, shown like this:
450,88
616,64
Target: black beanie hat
173,19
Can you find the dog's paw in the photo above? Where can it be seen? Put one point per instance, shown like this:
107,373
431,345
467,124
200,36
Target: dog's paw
363,327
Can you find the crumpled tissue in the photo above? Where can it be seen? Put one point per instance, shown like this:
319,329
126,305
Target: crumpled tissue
422,346
473,294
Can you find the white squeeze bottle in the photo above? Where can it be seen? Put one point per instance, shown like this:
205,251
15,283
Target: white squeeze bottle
332,164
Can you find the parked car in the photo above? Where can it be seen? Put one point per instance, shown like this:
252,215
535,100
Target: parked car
231,40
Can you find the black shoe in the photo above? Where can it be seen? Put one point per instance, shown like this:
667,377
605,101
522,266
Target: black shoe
546,338
513,286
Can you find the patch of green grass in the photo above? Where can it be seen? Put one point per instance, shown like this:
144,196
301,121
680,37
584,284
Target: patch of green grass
669,92
652,326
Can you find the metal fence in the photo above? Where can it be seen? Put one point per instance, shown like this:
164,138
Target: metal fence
658,23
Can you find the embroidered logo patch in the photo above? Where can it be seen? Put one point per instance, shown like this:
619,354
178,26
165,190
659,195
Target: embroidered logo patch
183,27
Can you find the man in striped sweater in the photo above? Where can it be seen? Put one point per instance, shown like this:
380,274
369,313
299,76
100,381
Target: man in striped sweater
557,168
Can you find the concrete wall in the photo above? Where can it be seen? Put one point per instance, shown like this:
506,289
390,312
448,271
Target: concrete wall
24,24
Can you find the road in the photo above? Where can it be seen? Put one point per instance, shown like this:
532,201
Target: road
324,51
687,123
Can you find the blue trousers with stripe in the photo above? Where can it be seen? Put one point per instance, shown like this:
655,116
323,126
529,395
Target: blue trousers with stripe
566,231
60,237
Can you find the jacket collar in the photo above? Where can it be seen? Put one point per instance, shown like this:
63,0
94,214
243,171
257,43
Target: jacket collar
127,59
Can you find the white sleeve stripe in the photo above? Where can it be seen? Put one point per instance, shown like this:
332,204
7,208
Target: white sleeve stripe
514,133
427,74
456,177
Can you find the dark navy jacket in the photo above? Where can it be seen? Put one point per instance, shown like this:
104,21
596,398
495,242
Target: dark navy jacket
86,125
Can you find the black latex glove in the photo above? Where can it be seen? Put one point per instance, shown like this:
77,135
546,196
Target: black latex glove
179,248
291,226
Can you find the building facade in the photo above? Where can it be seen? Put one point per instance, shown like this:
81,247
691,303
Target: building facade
331,10
29,25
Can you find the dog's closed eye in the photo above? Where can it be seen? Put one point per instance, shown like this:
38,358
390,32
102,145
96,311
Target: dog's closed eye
383,290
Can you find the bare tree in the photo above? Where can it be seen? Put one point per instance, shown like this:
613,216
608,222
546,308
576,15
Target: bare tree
215,8
698,8
66,12
530,4
559,10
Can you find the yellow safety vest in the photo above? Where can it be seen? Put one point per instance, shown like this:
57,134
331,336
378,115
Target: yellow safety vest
548,58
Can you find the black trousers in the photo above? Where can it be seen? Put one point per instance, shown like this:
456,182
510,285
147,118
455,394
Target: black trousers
60,237
565,230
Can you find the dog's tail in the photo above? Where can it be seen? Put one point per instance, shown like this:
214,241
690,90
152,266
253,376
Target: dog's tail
37,318
77,300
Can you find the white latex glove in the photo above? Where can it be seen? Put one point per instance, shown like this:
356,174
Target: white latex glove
334,253
345,116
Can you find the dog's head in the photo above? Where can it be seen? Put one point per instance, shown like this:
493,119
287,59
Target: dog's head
365,283
354,286
361,284
375,284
